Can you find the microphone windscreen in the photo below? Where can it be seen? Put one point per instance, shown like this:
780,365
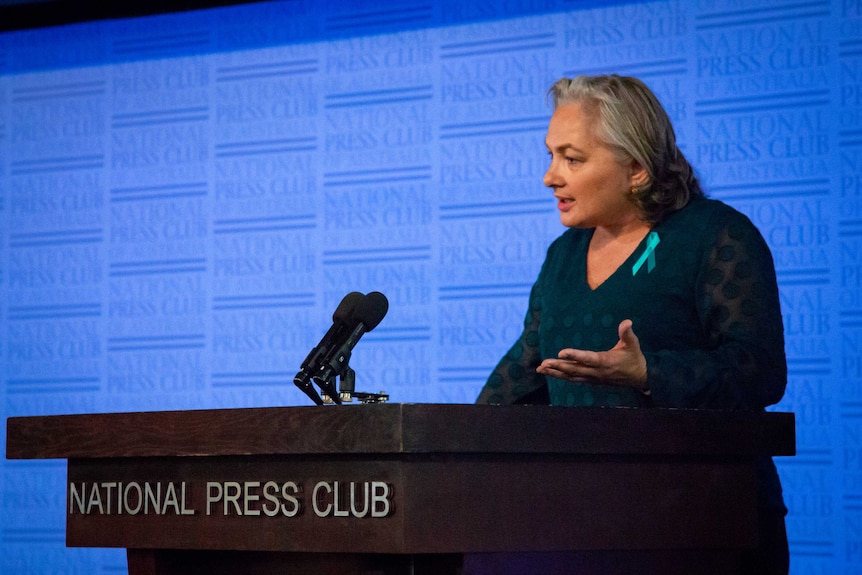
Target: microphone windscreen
346,308
371,310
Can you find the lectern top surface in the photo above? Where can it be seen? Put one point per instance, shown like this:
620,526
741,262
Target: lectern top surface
403,429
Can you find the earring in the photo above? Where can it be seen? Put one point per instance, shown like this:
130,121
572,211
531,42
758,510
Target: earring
634,189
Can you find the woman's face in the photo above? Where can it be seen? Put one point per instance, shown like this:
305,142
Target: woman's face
592,186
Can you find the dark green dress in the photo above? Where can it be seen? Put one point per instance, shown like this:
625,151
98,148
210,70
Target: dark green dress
702,295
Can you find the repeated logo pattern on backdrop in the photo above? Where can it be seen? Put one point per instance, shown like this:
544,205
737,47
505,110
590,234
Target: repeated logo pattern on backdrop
185,199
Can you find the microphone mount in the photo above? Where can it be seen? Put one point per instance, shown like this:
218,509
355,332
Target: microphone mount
356,314
347,393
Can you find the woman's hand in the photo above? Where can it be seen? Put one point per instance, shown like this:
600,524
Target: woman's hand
624,364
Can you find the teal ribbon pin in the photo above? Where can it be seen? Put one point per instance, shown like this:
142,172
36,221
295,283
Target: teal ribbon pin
649,254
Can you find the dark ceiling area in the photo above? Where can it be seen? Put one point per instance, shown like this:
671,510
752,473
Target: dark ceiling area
27,14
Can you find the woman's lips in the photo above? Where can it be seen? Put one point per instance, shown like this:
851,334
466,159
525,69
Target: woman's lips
565,204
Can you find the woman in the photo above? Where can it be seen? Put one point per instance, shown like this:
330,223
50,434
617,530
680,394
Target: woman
655,295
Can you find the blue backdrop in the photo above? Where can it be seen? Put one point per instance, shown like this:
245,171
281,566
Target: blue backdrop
185,199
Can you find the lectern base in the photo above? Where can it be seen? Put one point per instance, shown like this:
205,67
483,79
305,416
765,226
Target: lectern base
180,562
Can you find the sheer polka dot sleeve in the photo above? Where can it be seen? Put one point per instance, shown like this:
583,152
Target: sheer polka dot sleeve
515,379
743,366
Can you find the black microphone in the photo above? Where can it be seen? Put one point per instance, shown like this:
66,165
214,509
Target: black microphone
368,313
342,325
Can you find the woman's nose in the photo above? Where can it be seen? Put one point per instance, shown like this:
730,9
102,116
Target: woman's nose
551,178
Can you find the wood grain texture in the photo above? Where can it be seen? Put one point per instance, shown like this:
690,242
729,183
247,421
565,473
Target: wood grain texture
648,486
400,428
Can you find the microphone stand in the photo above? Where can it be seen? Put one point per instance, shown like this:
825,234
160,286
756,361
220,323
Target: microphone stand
328,392
346,390
303,382
347,383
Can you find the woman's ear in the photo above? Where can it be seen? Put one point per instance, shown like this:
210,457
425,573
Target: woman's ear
638,176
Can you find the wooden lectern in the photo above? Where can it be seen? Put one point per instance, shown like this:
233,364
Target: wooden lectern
400,488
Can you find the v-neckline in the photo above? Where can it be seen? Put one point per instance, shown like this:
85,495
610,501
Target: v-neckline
626,263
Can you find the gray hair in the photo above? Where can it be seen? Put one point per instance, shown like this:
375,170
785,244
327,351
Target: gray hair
630,120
